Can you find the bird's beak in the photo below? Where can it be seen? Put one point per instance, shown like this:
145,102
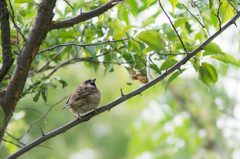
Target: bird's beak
93,80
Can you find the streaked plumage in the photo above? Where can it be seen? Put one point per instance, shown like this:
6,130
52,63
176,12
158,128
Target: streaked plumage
84,98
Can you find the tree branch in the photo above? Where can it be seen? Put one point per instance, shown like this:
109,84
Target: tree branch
6,46
36,36
124,97
201,17
160,4
199,12
84,16
82,45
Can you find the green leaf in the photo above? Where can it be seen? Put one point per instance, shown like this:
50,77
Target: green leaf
212,49
207,74
44,94
168,63
133,45
53,85
172,77
124,14
67,34
36,97
210,3
148,21
227,11
180,21
108,66
173,3
59,79
226,58
152,39
149,2
91,50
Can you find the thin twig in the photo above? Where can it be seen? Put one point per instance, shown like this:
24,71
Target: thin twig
12,143
173,27
203,25
15,138
218,15
202,19
169,54
82,45
49,61
14,23
68,3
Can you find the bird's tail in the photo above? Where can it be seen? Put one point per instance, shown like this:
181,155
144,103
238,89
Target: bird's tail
65,106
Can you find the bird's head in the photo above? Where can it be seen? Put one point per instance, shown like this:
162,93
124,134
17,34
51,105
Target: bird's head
90,82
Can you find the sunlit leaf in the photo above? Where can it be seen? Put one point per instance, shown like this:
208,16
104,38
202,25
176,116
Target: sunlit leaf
227,11
152,39
149,2
173,3
180,21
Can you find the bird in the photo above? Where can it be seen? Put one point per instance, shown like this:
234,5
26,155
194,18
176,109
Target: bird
84,98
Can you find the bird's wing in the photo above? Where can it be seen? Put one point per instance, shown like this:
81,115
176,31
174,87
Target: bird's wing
82,92
67,103
79,93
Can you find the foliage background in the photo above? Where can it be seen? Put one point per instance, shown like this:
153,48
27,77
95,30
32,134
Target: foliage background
191,118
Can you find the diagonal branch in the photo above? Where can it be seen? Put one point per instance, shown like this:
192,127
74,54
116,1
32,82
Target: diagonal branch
124,97
160,4
5,37
83,16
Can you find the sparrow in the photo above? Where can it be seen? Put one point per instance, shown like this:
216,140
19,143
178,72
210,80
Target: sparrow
84,98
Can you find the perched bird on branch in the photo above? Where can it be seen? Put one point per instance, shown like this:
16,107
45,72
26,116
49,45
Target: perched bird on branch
84,98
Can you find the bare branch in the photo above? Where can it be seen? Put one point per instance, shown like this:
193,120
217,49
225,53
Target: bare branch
122,98
173,27
218,15
203,25
202,19
84,16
